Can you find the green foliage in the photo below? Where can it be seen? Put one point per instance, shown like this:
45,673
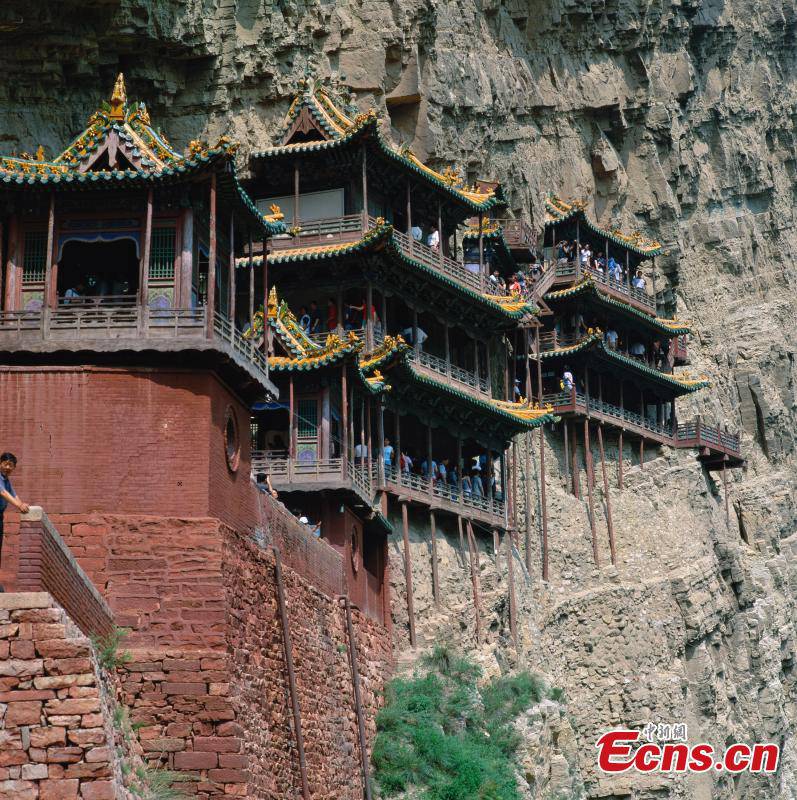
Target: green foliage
107,648
442,735
157,784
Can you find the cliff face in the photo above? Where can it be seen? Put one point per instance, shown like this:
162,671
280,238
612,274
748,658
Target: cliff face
674,118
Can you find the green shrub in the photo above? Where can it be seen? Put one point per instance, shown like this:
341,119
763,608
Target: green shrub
107,648
446,738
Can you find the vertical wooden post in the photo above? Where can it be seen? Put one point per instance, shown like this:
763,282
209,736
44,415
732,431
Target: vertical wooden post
296,218
512,598
147,244
725,489
543,497
448,350
574,456
365,187
590,488
609,522
416,345
514,483
435,580
566,428
539,364
578,249
50,287
474,576
369,317
527,538
183,299
252,285
398,447
628,270
344,423
461,538
286,639
460,468
380,432
642,452
358,706
11,286
384,313
210,302
266,326
430,474
481,250
339,304
292,417
490,474
410,237
440,229
408,571
496,553
620,461
527,355
370,439
231,300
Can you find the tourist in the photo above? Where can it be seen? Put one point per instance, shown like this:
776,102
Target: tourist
388,453
269,488
433,239
477,487
407,335
467,486
406,464
8,463
638,281
568,383
586,256
611,338
75,294
315,317
417,233
514,287
304,319
425,470
496,281
360,453
442,471
332,315
658,356
637,350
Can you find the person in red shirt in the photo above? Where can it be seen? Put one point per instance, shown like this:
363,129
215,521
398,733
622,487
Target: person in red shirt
332,315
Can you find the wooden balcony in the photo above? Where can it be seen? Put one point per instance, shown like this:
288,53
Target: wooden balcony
518,234
714,445
290,474
445,497
572,272
680,350
313,233
122,326
440,368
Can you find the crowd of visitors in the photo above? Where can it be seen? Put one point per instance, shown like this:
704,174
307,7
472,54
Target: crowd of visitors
598,262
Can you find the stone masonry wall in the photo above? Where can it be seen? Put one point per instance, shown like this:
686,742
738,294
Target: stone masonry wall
259,686
53,738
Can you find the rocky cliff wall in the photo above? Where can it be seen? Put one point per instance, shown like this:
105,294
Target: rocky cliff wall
674,118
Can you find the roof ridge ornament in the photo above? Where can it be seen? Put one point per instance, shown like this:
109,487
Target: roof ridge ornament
118,98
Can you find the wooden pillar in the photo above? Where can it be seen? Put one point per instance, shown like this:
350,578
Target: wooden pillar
183,300
286,638
490,474
620,460
514,502
408,571
380,432
266,327
296,218
460,467
609,522
2,270
252,283
429,457
565,429
461,538
143,284
474,576
370,439
384,313
476,359
590,488
627,270
578,249
725,489
365,186
344,423
641,452
653,281
410,237
339,303
544,504
440,229
512,598
291,419
435,580
369,317
448,350
528,503
398,446
210,302
231,300
12,279
574,456
481,249
50,285
416,345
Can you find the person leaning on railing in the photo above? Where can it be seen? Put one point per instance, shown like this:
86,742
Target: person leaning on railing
8,463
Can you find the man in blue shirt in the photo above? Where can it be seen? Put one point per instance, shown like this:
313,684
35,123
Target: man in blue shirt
8,463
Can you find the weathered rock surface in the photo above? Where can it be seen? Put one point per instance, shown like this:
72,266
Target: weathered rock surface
674,118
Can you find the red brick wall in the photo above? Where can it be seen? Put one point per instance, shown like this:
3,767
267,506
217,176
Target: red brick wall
46,564
144,441
259,685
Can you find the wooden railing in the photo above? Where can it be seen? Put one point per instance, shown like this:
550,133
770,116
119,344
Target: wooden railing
448,370
446,496
517,232
322,231
698,434
89,322
574,271
106,301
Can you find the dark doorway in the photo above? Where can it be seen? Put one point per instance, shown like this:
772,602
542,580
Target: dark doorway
102,269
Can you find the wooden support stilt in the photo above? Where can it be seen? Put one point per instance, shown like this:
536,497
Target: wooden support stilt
641,453
435,580
512,598
527,539
566,428
574,445
609,522
286,639
496,552
514,484
725,489
408,571
620,461
474,576
358,706
590,489
544,506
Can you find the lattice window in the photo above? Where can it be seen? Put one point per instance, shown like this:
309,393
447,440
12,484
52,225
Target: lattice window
35,259
161,254
307,423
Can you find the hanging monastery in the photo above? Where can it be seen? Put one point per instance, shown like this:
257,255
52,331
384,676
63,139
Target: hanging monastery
160,378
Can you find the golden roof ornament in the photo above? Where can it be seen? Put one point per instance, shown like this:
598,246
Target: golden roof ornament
118,98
